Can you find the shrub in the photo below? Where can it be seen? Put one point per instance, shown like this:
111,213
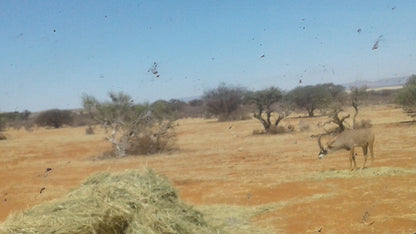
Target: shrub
171,109
80,118
2,124
151,141
89,130
365,123
273,130
303,126
196,102
282,129
291,127
224,101
16,119
54,118
2,128
147,145
2,137
406,97
132,129
258,132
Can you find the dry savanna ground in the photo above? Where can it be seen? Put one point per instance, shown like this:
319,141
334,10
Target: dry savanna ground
243,182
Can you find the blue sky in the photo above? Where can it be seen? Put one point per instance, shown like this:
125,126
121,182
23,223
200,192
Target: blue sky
51,52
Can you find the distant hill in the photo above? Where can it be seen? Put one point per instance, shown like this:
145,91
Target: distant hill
188,99
383,83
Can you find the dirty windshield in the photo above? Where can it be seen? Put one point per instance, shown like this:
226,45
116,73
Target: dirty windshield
208,116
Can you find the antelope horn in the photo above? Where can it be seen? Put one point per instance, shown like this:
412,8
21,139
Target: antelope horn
319,142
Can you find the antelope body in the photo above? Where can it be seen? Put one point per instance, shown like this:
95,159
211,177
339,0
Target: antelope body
348,140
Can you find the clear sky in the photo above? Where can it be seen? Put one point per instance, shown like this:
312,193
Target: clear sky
51,52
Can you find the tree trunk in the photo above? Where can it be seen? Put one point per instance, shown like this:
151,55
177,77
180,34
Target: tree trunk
266,125
339,122
121,145
354,123
276,123
120,151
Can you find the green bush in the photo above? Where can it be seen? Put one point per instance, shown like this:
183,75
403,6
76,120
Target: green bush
54,118
406,97
224,102
2,124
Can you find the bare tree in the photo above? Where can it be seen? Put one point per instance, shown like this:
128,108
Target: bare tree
358,96
339,120
125,122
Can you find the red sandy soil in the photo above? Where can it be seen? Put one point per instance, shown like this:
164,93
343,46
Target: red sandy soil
224,164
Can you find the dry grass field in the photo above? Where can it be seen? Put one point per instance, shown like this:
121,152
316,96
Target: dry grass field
245,182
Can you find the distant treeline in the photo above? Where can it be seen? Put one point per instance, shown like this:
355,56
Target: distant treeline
198,108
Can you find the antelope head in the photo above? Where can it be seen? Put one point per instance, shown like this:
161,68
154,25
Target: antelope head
323,151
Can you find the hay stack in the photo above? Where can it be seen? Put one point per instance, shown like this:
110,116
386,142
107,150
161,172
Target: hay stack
121,203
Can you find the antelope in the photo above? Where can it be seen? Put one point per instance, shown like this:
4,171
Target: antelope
348,140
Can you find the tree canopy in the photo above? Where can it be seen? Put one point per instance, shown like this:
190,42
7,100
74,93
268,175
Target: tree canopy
313,97
264,101
224,101
406,97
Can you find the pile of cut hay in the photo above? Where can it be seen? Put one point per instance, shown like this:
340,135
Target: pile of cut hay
127,202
